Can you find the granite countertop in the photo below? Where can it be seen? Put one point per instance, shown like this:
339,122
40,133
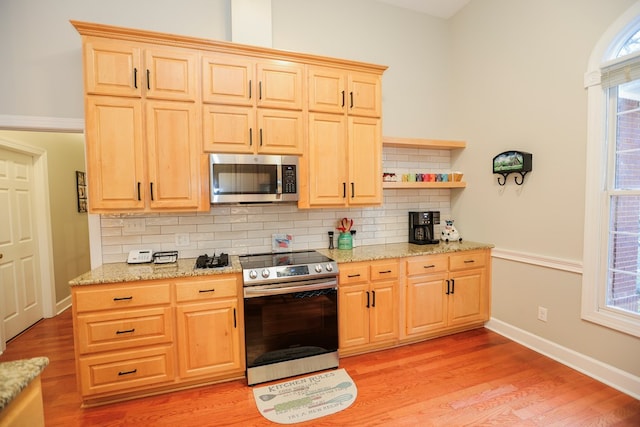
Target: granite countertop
122,272
399,250
16,375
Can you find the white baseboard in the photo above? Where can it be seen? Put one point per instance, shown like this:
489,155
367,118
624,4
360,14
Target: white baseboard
607,374
63,305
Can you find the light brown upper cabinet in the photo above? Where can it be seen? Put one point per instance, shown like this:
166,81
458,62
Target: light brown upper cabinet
142,127
333,90
252,105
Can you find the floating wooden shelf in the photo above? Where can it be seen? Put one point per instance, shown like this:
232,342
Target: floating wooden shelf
434,144
414,185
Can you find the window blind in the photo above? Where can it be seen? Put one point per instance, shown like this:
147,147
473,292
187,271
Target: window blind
621,70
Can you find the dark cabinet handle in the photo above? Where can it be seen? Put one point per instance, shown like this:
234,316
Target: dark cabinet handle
135,78
249,89
260,137
235,322
353,275
122,298
368,299
351,96
343,98
128,331
469,261
250,137
448,287
453,286
202,291
148,80
127,372
353,190
260,90
344,190
384,272
428,266
139,191
151,185
374,298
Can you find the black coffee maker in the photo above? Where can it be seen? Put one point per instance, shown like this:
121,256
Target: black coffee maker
421,227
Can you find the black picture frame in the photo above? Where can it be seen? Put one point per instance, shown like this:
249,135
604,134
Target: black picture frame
81,191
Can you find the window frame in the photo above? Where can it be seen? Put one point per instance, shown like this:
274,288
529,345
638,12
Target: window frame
596,219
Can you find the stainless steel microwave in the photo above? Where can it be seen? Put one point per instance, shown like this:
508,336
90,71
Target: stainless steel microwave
245,178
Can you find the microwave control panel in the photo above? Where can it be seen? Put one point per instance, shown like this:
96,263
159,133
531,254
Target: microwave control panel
289,180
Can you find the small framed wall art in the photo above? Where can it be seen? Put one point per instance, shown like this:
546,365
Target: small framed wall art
81,188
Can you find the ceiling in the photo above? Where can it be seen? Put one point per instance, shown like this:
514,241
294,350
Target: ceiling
440,8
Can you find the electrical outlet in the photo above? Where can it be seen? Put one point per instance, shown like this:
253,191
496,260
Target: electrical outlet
133,225
542,313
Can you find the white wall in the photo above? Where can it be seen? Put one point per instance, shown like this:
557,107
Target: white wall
518,69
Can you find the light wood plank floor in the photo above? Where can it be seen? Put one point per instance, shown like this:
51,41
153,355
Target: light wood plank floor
473,378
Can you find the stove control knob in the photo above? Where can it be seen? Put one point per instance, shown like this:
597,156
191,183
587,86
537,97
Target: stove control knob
318,268
265,273
329,267
253,274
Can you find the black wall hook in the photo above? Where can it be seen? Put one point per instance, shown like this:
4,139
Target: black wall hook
510,162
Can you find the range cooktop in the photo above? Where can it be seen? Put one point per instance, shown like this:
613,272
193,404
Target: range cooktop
285,266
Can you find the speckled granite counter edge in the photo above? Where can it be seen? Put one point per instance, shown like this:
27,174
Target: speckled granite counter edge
184,267
16,375
400,250
123,272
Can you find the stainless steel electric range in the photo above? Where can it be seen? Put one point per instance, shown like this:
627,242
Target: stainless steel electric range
291,314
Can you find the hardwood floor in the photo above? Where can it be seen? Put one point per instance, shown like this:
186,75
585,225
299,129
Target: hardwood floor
473,378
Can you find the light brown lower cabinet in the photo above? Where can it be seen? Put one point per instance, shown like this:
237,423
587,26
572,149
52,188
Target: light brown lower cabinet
446,292
368,305
146,337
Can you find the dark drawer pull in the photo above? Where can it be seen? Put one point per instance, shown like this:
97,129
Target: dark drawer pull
429,266
202,291
128,331
121,373
122,298
353,275
468,261
384,272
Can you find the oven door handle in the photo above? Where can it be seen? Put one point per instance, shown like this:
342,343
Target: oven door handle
250,292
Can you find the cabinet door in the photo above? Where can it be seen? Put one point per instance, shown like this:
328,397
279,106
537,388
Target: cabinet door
173,155
353,315
170,73
208,338
280,132
327,90
327,159
467,299
426,303
365,95
112,68
228,79
115,154
365,161
279,85
229,129
384,311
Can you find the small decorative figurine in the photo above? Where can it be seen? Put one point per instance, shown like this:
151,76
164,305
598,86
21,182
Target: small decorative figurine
449,233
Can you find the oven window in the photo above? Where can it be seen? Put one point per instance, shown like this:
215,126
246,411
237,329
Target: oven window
291,326
245,179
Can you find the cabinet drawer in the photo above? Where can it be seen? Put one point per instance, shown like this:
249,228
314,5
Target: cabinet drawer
195,290
118,330
383,270
353,273
426,264
463,260
115,372
106,297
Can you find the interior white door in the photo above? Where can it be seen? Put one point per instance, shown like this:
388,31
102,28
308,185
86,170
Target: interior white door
20,283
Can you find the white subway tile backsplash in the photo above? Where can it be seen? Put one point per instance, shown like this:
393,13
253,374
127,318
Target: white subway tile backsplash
242,229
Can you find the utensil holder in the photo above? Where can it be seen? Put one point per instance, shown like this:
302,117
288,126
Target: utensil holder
345,241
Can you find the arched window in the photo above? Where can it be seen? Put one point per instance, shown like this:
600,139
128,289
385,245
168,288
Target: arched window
611,271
